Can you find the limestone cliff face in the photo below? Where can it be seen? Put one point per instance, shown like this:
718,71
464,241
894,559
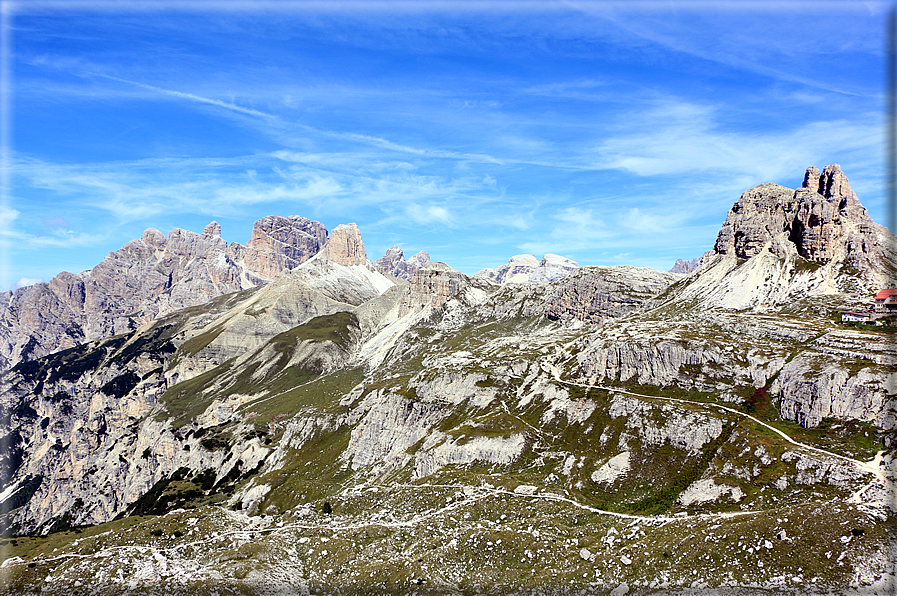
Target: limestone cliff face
345,246
432,285
587,295
594,294
145,279
816,384
811,372
393,263
684,430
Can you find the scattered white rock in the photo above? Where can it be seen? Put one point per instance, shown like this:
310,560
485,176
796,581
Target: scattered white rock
12,561
707,491
620,590
613,469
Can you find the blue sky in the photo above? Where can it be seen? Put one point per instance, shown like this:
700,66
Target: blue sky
609,132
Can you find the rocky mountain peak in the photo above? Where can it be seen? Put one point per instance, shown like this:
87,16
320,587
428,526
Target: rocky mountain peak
393,263
392,253
685,266
281,243
779,244
213,229
345,246
153,237
420,259
814,220
831,183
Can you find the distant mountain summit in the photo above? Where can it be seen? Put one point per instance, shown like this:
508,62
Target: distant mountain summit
528,269
685,266
393,263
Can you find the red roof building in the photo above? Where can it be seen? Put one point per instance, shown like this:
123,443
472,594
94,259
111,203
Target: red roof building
886,300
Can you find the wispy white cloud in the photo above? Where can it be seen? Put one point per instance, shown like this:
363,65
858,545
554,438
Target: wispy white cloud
53,223
521,221
135,191
589,231
18,239
192,97
577,228
643,221
679,137
763,40
7,216
429,214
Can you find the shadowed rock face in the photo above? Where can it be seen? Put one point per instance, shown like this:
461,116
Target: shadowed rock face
393,263
816,219
145,279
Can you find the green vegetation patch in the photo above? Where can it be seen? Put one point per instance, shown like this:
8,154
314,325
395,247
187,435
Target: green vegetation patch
194,345
805,265
313,472
190,398
334,328
494,424
320,393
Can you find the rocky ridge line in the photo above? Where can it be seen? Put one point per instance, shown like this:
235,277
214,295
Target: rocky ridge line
146,279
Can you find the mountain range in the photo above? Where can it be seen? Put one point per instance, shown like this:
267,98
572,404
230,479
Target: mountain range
192,416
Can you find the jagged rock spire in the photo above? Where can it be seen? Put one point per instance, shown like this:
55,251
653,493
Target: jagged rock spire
393,263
